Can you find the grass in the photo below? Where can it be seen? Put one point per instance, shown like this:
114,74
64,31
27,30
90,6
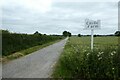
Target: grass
22,53
78,61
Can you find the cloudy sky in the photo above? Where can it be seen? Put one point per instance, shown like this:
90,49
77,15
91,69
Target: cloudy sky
55,16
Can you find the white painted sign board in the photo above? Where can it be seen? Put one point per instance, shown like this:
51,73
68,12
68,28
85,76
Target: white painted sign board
91,24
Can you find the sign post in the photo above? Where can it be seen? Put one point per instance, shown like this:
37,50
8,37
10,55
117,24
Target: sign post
92,35
90,24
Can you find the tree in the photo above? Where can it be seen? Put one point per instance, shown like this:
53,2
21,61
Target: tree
65,33
79,35
5,31
95,35
117,33
37,33
69,34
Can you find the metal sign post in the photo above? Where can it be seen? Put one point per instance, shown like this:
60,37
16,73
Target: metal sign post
90,24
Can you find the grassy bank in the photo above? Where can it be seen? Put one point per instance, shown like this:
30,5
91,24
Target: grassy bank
78,61
25,52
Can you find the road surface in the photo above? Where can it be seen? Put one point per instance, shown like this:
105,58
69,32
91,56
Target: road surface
35,65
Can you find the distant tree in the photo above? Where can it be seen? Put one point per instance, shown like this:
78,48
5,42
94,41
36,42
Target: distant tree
79,35
44,34
65,33
95,35
69,34
37,33
117,33
5,32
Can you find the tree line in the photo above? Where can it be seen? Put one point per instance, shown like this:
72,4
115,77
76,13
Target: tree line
66,33
117,33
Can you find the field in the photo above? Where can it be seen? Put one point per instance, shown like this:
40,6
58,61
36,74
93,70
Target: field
79,61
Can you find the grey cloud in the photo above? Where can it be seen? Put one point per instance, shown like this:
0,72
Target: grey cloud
63,16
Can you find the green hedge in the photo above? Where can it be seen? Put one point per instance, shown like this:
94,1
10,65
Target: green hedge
13,42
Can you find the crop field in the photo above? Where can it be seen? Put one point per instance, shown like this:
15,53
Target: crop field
79,61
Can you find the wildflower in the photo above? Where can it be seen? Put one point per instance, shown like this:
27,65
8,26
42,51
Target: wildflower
88,54
100,53
112,54
84,50
113,68
77,68
99,58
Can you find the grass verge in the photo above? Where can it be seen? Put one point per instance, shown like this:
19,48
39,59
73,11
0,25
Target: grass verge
21,53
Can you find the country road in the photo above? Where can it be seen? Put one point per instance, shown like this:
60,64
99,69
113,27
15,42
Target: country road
38,64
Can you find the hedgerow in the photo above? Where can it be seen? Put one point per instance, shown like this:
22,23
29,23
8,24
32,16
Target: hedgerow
13,42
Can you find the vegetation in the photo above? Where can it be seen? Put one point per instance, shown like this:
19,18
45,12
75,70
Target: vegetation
78,61
37,33
65,33
13,42
117,33
79,35
24,52
0,43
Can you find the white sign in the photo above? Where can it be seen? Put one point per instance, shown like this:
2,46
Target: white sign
90,24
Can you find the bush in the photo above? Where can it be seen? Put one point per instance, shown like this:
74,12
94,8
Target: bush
79,35
117,33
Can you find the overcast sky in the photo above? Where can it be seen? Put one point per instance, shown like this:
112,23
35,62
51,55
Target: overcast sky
55,16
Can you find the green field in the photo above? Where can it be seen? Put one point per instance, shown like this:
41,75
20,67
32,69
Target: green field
79,61
98,41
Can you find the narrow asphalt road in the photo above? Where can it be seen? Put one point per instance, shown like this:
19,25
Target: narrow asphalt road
35,65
